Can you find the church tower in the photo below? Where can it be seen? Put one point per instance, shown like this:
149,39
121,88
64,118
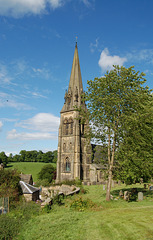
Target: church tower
74,154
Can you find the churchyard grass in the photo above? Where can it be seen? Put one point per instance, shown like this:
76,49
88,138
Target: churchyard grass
28,167
114,220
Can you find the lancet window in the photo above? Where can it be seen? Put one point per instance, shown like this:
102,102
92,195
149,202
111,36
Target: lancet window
68,126
67,165
71,125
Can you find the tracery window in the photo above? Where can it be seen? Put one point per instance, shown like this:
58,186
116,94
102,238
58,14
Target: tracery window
71,125
65,127
67,165
68,126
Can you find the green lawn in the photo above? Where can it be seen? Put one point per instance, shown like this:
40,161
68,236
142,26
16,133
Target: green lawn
114,220
28,167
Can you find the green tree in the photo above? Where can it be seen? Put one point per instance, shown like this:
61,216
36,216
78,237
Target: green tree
47,173
3,158
48,157
135,154
23,155
114,102
16,158
54,156
10,157
9,184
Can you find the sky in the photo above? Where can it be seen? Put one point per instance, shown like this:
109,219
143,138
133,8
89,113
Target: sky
37,42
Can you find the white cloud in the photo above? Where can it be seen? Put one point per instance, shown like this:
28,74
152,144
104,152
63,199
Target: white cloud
42,72
30,136
43,122
145,55
18,8
1,124
87,3
56,3
94,46
6,100
4,76
106,61
38,95
42,126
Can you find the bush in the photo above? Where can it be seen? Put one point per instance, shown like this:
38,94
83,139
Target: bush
81,205
48,172
9,227
43,183
26,210
9,184
76,182
10,224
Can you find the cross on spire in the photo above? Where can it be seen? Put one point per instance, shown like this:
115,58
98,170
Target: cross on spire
76,40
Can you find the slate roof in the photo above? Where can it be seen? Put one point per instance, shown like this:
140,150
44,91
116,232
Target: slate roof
27,188
26,178
99,166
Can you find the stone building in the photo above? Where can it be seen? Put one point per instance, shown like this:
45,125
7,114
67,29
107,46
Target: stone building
30,192
74,152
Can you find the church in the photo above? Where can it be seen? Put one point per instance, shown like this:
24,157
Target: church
74,152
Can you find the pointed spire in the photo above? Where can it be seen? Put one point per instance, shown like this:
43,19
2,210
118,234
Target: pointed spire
76,79
75,89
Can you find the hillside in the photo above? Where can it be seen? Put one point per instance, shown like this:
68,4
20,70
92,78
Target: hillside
28,167
114,220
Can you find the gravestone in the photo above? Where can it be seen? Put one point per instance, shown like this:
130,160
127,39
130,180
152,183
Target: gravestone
121,194
126,195
151,188
140,196
103,187
111,197
119,182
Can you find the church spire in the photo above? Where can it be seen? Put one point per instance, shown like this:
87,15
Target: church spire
76,79
75,89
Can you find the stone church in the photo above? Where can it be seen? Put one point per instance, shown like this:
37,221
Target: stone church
74,152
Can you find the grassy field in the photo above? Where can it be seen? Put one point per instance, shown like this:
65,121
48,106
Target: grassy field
114,220
28,167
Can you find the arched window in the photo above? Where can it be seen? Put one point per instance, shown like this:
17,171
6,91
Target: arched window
67,165
71,125
68,126
65,127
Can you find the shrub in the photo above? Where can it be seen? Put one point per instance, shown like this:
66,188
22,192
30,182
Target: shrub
10,224
26,210
48,172
9,184
81,205
9,227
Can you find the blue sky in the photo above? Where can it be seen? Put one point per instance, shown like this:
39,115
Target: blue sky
37,40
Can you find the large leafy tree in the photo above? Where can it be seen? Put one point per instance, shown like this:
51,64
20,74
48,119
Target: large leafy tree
135,154
115,103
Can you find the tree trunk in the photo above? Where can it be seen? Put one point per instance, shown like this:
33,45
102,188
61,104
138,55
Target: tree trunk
111,163
109,185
